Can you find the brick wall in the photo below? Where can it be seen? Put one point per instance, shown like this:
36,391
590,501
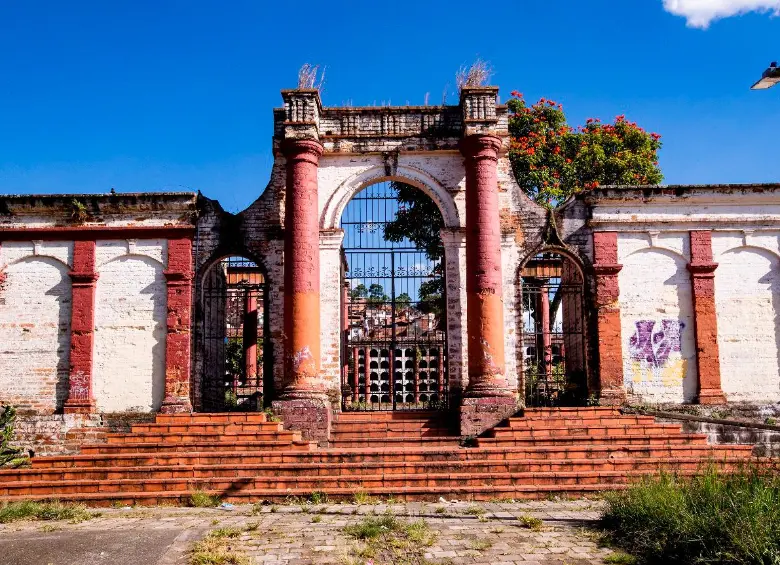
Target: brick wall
130,312
659,351
747,299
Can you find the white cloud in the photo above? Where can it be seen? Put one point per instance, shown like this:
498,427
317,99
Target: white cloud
700,13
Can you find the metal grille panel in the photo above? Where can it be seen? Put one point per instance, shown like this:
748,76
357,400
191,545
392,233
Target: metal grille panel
233,344
393,317
554,361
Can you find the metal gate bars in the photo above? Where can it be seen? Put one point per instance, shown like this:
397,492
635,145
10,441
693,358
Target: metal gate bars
553,332
233,308
393,315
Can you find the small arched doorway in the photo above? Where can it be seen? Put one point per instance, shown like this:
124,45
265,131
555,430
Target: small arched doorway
553,331
233,344
394,326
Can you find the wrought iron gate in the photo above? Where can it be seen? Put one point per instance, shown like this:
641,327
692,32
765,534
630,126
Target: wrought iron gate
554,360
233,345
394,328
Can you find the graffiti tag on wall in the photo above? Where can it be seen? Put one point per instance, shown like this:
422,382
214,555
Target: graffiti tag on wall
655,355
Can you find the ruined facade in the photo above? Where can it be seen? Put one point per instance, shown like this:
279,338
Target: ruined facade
164,302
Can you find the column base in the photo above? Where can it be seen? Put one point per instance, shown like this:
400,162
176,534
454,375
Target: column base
311,416
86,406
711,396
612,397
479,414
173,405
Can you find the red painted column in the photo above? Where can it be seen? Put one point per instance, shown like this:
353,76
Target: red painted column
249,337
610,347
302,271
177,341
702,269
304,403
488,399
83,279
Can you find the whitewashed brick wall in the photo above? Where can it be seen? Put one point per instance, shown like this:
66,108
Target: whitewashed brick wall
130,312
747,298
35,310
659,351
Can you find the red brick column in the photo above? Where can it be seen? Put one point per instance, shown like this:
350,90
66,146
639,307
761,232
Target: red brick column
82,325
177,341
702,269
488,398
304,404
610,346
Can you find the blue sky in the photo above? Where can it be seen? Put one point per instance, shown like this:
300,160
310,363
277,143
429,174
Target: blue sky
171,95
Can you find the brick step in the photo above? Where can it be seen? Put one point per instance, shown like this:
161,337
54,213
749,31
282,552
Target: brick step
339,435
318,483
486,492
252,455
206,427
566,410
390,425
608,431
631,439
648,464
227,443
374,442
215,418
176,438
522,423
375,416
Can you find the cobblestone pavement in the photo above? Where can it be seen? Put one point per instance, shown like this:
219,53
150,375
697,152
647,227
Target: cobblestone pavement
489,533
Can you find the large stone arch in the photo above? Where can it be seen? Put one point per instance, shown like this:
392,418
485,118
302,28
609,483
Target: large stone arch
334,207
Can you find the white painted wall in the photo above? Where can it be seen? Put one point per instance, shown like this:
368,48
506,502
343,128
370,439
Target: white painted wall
130,326
747,299
656,312
35,310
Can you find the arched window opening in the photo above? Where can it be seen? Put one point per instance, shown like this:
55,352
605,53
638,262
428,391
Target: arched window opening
553,338
234,320
394,313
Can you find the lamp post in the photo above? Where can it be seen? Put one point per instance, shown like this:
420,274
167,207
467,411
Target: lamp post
770,78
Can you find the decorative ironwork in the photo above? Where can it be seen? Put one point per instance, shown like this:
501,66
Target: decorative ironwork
394,328
553,339
233,344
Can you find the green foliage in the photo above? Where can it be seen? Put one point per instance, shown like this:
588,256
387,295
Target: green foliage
201,499
715,517
552,160
215,549
360,291
386,539
9,456
403,300
530,522
28,510
376,294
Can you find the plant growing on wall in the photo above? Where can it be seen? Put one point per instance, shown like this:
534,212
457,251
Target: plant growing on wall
551,160
9,456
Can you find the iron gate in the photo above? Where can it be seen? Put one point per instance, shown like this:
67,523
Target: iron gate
554,361
394,342
233,345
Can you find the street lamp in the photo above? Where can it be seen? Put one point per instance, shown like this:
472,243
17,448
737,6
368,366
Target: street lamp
770,78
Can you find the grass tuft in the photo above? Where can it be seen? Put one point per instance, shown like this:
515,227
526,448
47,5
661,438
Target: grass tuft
28,510
386,539
215,549
530,522
201,499
714,517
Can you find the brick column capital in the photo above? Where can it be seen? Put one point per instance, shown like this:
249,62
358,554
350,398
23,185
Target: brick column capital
479,147
308,150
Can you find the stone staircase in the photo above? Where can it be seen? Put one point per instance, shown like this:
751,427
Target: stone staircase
244,457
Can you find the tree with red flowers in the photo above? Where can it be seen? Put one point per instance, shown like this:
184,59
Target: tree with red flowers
552,161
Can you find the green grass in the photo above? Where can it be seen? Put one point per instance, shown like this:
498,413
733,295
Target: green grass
215,549
620,558
715,517
55,510
200,499
530,522
386,539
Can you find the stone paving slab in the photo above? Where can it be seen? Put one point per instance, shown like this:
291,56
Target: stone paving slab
473,533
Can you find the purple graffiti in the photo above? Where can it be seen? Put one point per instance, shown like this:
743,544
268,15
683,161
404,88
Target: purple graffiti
653,344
